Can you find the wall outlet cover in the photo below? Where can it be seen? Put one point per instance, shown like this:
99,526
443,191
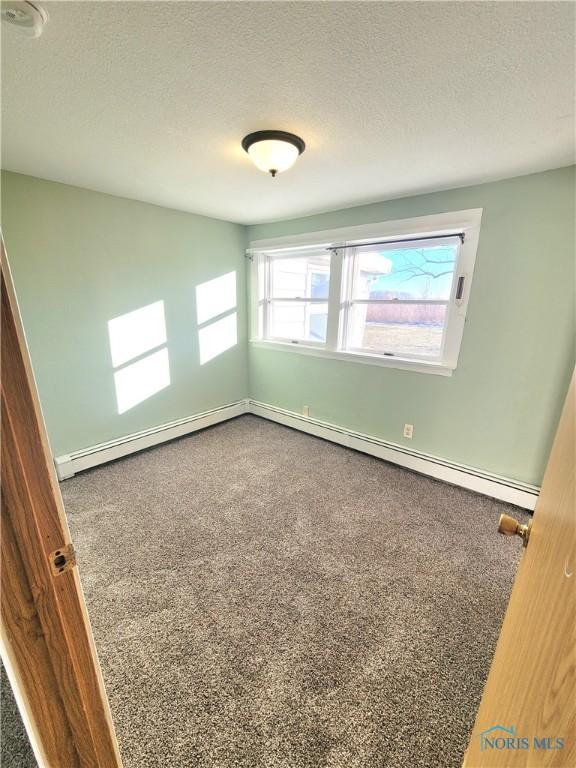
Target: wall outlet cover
408,430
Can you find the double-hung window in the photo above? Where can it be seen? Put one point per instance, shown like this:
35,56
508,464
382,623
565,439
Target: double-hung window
394,294
298,284
399,298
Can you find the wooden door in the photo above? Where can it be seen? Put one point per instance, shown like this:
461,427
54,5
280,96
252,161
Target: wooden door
46,640
527,715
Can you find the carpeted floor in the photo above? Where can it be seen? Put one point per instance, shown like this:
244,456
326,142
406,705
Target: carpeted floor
263,599
15,749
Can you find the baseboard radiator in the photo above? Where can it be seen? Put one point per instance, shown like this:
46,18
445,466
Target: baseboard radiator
502,488
505,489
68,465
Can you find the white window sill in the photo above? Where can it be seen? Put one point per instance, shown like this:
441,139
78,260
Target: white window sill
419,366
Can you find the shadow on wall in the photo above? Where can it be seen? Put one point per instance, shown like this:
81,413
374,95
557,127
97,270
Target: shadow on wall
138,340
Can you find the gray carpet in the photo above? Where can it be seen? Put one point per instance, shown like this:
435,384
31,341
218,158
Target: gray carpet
264,599
15,749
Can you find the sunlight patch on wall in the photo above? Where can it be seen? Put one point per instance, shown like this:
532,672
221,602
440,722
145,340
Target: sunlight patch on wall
132,336
215,297
140,380
136,332
216,314
217,337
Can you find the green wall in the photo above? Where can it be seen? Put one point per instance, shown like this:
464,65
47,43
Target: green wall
80,258
499,410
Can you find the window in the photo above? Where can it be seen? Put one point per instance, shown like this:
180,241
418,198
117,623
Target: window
297,296
393,294
399,298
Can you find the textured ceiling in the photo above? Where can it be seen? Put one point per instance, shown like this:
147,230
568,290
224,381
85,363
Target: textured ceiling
150,100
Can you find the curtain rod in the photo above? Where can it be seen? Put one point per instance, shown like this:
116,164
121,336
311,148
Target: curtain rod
403,240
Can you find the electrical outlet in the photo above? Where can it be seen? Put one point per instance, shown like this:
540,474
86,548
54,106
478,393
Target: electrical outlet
408,430
306,410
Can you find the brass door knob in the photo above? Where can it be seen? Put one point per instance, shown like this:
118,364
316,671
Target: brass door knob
508,526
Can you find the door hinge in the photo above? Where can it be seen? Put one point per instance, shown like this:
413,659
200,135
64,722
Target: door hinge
61,560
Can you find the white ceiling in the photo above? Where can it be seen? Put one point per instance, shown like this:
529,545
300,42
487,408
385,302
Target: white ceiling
150,100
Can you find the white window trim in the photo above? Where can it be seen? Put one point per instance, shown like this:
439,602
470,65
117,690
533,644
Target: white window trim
466,221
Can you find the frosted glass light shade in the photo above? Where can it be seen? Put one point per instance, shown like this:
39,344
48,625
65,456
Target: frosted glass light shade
273,155
273,151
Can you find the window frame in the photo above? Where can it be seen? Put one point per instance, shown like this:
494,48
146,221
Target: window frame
340,298
350,272
270,299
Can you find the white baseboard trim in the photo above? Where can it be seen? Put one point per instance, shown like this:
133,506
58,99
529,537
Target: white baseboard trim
503,488
68,465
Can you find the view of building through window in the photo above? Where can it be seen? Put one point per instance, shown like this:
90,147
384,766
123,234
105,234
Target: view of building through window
398,297
299,288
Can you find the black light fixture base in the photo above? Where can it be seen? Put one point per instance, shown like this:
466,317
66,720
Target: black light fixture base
271,135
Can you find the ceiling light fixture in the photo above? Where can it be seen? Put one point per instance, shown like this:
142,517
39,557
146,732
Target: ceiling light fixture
28,18
273,151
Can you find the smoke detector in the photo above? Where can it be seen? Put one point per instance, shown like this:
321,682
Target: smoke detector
28,18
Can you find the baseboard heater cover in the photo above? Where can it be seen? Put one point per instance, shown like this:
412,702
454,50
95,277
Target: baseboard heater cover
502,488
68,465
